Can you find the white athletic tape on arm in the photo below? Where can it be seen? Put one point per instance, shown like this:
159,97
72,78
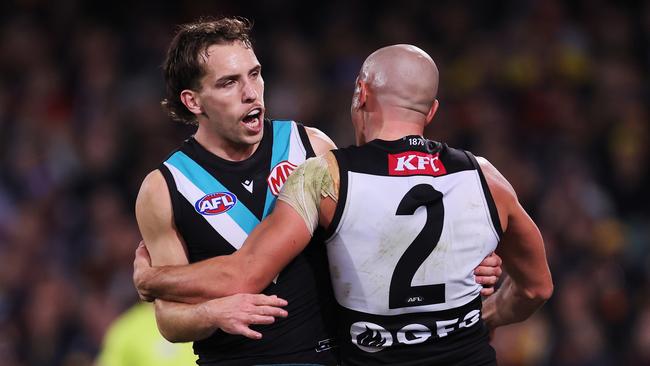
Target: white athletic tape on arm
306,186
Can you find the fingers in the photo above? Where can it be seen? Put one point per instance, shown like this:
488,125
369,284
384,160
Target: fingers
490,268
271,311
261,299
487,291
487,280
488,271
236,313
246,332
243,326
241,323
264,305
141,263
142,254
492,260
260,319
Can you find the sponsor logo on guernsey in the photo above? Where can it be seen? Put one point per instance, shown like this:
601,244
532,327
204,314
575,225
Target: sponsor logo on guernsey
371,337
215,203
415,163
279,175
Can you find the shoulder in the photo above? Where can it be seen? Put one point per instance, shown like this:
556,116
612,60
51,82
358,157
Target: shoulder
320,142
502,191
314,172
320,164
153,197
154,183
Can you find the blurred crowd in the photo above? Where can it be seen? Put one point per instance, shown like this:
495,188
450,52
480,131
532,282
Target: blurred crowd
555,94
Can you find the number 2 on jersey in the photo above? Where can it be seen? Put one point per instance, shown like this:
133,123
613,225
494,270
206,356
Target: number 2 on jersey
401,293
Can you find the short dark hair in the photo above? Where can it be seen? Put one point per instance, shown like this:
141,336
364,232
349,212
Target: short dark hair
183,67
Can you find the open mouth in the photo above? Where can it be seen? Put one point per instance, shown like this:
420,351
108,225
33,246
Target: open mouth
253,120
253,116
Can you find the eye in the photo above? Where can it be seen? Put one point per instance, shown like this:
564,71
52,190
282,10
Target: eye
255,73
228,83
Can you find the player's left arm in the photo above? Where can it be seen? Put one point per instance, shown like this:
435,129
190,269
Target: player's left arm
320,142
308,198
268,249
530,283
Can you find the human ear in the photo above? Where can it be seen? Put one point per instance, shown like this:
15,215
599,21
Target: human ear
432,111
192,101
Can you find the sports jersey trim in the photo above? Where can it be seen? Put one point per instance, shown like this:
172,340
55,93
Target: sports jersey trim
304,137
494,213
280,152
225,225
185,169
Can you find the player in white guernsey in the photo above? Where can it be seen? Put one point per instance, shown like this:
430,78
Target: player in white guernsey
408,220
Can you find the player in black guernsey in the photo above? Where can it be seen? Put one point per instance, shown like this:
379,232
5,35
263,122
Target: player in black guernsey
250,276
216,203
210,193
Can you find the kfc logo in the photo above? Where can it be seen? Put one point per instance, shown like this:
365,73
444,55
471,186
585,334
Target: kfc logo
415,163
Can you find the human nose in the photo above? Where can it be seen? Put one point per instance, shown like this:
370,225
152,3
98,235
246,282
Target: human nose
249,94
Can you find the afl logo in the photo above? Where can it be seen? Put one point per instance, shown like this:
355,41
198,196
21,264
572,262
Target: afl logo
215,203
279,175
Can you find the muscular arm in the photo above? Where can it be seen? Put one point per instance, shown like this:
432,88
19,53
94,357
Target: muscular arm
267,250
212,278
522,251
176,321
223,276
307,200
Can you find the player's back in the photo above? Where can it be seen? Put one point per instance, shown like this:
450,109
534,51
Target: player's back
414,218
216,204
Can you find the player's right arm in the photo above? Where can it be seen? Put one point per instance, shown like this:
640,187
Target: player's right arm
181,322
176,321
522,251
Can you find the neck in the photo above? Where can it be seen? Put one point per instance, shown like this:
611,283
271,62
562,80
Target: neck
393,127
222,147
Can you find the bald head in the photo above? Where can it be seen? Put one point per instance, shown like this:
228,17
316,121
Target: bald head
403,76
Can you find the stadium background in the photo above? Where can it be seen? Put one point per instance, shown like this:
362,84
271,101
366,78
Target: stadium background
554,93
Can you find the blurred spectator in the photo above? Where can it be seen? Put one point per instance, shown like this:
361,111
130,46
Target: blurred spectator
134,340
